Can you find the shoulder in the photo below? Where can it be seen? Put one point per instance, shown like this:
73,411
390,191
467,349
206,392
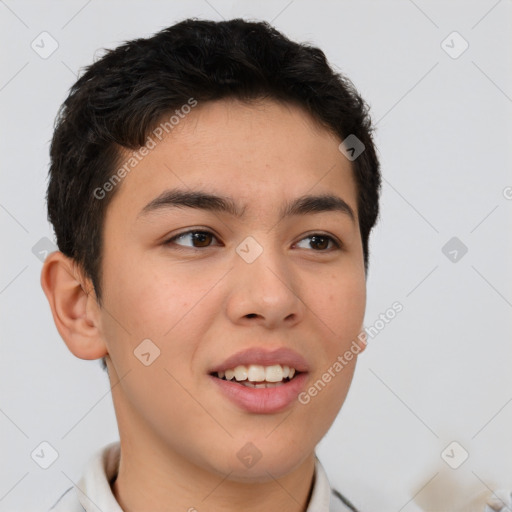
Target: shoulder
93,490
340,504
68,502
324,498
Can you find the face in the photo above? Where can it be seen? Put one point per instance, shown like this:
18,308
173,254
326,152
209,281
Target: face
202,282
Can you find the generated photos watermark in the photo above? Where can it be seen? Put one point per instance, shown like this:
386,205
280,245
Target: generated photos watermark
344,359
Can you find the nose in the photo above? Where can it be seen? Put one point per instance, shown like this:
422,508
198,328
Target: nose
265,292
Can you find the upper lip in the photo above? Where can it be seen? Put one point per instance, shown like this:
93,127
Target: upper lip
255,355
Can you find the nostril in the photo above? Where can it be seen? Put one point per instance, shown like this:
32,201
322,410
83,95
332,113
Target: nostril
251,315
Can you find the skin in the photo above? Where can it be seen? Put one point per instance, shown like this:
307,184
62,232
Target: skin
179,435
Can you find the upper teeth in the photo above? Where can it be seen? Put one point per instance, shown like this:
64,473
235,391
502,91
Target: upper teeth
258,373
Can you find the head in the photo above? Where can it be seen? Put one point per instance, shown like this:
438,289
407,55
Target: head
236,110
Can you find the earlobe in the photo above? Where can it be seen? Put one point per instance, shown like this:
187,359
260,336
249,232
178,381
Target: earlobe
70,301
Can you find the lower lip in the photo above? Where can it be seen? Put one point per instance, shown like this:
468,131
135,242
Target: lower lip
262,400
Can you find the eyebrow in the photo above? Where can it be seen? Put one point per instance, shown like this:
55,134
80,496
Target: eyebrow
198,199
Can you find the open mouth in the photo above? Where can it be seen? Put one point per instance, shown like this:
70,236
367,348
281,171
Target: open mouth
257,376
259,389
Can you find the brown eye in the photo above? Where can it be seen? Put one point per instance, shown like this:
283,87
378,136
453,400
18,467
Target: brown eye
198,239
201,238
320,242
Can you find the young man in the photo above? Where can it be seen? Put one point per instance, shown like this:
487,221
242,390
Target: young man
212,190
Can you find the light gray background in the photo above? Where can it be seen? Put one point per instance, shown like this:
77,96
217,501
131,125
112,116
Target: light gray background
439,372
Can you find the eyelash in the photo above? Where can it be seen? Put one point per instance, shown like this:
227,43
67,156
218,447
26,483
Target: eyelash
337,245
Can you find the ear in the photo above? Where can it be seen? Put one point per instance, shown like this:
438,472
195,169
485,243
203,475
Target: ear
74,306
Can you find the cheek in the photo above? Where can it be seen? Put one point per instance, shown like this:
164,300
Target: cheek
163,303
341,304
151,304
151,299
339,307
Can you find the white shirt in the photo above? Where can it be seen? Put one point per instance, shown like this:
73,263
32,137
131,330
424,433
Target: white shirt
94,494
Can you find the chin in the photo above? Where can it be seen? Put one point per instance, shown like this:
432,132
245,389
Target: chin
258,466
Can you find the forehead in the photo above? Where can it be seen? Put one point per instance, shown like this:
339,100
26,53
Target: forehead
259,152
